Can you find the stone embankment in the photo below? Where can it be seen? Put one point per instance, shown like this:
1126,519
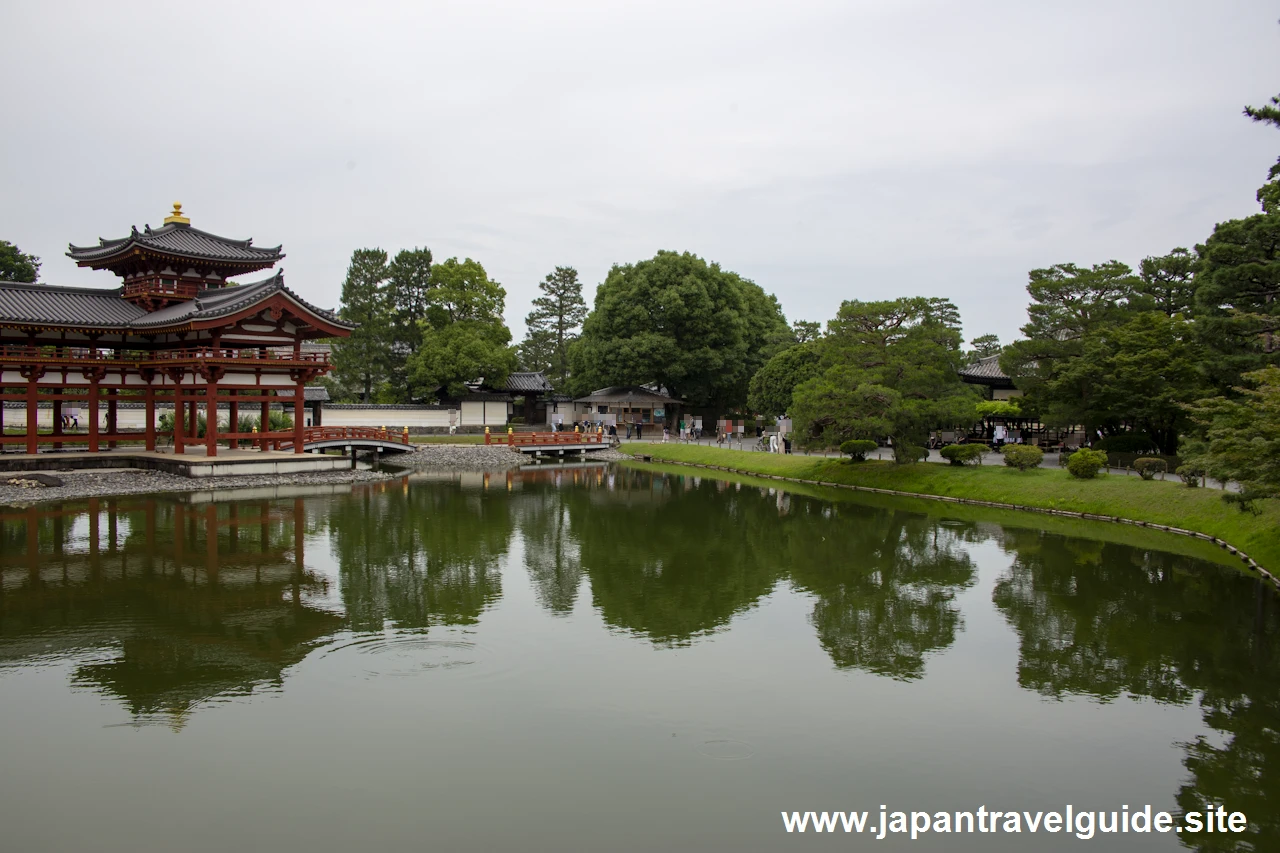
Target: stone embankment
26,488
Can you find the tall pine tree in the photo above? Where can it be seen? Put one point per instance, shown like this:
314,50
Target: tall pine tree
360,361
554,324
410,286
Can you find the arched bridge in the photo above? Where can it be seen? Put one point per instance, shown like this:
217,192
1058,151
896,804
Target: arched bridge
358,438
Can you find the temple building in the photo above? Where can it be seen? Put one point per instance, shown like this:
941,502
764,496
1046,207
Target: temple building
175,334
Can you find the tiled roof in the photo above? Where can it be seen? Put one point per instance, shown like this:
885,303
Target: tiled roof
315,394
985,371
82,307
182,241
625,394
221,301
526,382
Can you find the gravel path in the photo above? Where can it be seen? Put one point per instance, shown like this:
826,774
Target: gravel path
457,457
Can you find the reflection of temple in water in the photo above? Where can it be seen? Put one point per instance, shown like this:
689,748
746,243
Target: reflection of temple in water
164,605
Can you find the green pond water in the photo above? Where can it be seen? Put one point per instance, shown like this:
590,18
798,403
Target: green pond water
613,659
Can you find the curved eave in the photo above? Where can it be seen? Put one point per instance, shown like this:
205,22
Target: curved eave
323,326
269,258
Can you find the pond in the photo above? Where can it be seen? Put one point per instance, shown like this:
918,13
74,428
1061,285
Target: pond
591,658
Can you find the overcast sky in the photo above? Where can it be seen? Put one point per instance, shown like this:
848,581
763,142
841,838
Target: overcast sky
826,150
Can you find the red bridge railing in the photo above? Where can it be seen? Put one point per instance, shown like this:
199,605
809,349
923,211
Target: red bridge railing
349,433
530,439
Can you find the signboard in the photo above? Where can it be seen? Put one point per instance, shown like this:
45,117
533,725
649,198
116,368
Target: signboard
659,413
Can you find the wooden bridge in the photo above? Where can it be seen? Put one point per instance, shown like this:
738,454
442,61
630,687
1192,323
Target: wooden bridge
355,438
550,443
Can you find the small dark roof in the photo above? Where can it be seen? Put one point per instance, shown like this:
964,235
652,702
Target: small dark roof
179,240
486,397
626,394
985,371
315,394
82,307
526,383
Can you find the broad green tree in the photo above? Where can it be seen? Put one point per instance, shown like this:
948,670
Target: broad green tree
681,323
16,265
554,324
888,370
772,386
361,360
464,337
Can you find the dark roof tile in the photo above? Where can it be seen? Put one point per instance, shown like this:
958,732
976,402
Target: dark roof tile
179,240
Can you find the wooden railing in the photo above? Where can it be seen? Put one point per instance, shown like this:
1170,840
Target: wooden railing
142,358
530,439
341,433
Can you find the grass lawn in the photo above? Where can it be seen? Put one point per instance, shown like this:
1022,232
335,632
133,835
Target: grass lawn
1169,502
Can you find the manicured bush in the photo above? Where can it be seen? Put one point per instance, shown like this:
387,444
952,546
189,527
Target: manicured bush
1024,457
1148,467
908,454
858,448
1190,475
1127,442
1085,464
963,454
518,420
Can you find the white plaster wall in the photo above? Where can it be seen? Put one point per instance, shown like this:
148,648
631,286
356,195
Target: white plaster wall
385,417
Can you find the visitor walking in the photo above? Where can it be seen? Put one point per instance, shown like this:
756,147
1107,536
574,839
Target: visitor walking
666,433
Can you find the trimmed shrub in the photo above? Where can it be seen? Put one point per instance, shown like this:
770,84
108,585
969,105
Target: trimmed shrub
1190,475
518,420
1128,442
908,454
1148,467
858,448
1024,457
1085,464
963,454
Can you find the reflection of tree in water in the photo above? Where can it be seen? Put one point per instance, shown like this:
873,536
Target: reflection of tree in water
1105,620
886,583
188,603
419,556
551,553
670,560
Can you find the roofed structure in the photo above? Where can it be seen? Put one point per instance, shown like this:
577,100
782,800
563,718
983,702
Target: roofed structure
986,371
626,394
177,331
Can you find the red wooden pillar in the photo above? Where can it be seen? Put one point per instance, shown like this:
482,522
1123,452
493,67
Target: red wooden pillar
264,423
112,419
297,418
93,414
33,413
179,421
193,420
57,418
211,418
151,417
233,422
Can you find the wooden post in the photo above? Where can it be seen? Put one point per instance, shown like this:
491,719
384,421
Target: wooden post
33,413
264,423
93,414
193,420
112,420
57,418
151,417
297,418
211,418
179,421
233,424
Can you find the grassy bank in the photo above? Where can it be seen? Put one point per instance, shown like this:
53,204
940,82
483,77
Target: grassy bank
1169,503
